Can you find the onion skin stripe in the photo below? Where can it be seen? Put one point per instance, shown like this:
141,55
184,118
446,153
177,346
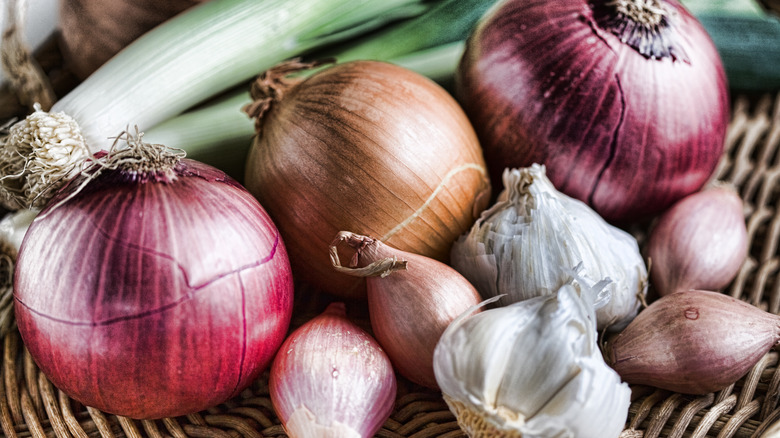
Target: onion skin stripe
613,145
168,306
244,328
451,174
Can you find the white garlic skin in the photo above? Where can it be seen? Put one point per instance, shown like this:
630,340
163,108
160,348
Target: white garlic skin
531,240
531,369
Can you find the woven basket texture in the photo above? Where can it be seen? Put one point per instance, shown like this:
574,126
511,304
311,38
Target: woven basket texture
30,406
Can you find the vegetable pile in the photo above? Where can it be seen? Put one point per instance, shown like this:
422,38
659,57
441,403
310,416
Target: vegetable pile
481,227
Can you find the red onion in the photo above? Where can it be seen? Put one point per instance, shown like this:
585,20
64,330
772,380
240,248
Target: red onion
412,299
628,127
160,288
332,379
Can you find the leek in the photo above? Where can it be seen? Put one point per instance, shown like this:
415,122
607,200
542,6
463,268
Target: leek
747,37
220,134
430,44
195,55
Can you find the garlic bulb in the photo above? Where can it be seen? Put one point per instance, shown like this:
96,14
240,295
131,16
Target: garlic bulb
534,237
531,369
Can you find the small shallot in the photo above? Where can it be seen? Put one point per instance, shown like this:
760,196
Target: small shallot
411,301
332,379
699,243
693,342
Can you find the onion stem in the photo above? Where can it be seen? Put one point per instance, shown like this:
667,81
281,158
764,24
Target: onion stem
206,50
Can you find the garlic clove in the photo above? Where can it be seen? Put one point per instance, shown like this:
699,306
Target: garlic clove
330,378
699,243
529,242
531,369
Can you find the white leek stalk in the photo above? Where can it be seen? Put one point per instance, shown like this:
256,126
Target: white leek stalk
220,133
532,240
531,369
430,44
195,55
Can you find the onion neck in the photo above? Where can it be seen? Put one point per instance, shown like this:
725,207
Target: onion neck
272,85
368,253
645,25
140,161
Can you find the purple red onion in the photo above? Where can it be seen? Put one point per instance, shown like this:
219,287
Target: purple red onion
153,292
626,115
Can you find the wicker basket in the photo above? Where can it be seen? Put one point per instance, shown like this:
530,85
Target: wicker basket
31,406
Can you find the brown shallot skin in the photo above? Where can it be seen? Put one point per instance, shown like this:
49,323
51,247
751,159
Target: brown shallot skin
411,306
699,243
693,342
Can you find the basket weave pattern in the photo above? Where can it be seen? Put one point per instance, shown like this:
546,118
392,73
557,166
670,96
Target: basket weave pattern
748,408
30,406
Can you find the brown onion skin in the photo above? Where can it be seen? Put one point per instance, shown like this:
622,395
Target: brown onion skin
693,342
543,83
699,243
410,308
154,299
93,31
366,146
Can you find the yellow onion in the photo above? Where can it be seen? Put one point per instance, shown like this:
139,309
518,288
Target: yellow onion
364,146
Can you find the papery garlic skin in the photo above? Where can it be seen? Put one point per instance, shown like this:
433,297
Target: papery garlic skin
331,379
531,369
531,240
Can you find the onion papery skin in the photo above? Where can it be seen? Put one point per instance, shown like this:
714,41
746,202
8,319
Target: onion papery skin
332,379
693,342
147,296
92,31
543,82
373,148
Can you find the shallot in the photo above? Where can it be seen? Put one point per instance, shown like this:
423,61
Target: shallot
693,342
411,301
332,379
699,243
